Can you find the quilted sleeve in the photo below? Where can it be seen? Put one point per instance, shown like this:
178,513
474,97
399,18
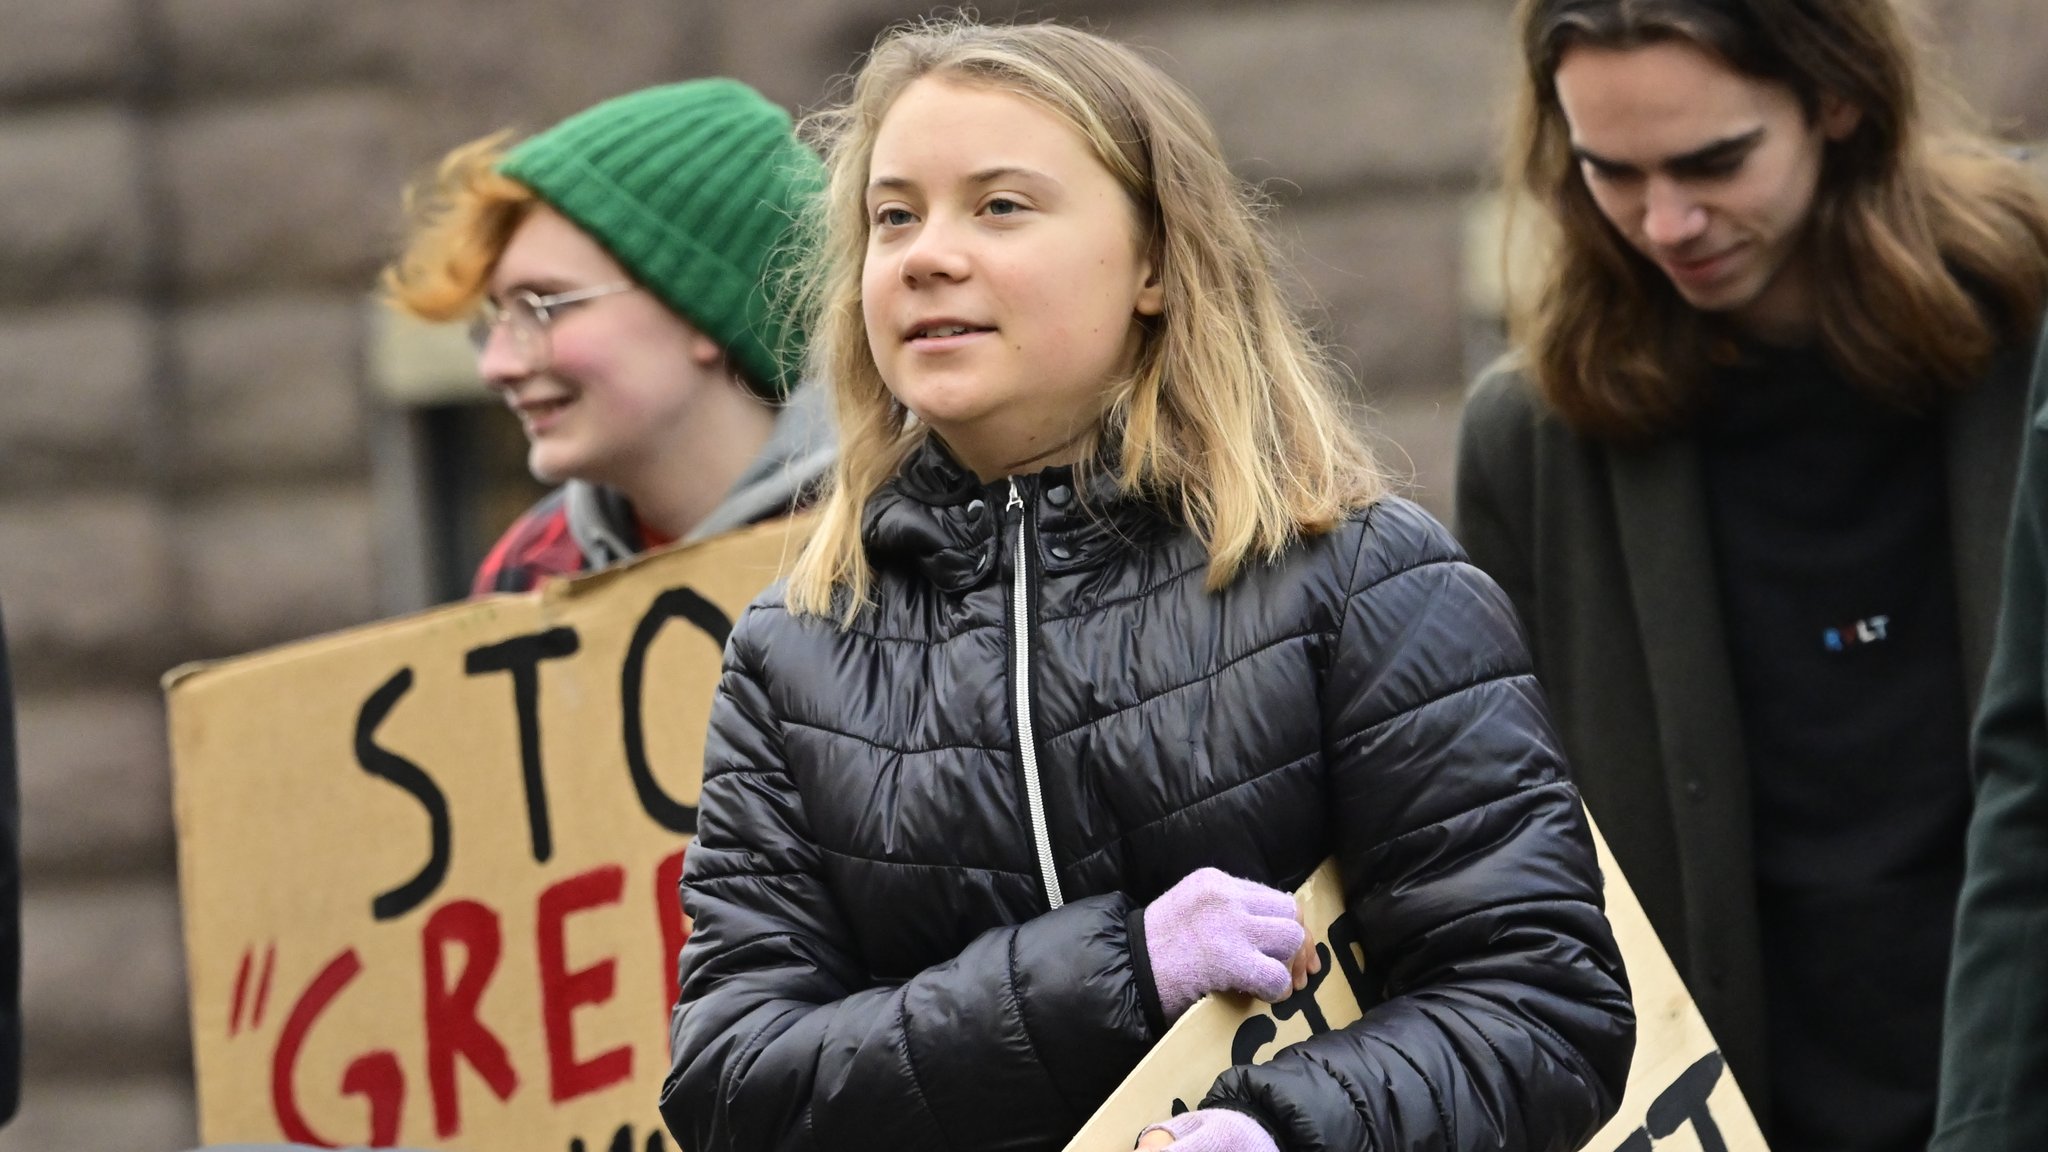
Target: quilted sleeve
1494,492
1504,1020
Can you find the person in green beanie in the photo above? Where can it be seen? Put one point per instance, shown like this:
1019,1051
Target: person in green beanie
624,270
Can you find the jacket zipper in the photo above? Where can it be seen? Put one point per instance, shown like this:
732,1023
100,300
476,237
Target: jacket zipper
1020,679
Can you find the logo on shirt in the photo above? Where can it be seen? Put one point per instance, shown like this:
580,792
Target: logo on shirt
1869,630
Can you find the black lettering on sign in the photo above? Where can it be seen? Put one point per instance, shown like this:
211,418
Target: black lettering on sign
674,604
388,765
1685,1100
622,1141
1255,1033
1303,1002
522,656
1259,1030
1350,948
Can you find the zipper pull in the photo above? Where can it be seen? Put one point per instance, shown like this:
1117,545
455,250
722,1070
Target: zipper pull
1016,500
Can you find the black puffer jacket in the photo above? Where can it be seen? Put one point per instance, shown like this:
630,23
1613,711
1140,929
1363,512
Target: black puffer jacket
878,960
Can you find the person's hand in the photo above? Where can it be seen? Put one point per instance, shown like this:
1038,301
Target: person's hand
1213,932
1306,961
1210,1130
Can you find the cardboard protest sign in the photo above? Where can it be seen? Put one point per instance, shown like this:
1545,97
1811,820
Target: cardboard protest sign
1679,1096
429,866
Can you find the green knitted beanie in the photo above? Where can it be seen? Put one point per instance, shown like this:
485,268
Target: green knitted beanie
694,188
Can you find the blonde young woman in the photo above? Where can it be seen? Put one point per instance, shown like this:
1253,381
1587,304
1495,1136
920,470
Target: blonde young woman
1108,636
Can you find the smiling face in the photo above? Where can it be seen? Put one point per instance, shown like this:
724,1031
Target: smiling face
623,375
1004,277
1708,173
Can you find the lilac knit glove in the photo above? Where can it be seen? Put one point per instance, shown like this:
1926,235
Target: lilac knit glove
1213,932
1217,1130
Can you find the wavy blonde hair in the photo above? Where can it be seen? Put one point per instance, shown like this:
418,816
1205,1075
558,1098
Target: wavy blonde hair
458,223
1932,245
1231,413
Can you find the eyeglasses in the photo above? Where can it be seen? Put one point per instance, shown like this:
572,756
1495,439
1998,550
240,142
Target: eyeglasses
527,316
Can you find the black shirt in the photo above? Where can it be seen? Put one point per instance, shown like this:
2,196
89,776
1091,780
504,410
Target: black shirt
1830,524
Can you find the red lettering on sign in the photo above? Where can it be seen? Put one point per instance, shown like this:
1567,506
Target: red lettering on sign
376,1077
453,1026
379,1080
241,991
668,912
563,991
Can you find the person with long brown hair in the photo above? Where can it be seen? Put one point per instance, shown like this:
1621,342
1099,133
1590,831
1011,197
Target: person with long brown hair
1744,476
1108,635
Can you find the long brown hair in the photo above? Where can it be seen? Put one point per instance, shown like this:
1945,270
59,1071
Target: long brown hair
1932,246
1231,412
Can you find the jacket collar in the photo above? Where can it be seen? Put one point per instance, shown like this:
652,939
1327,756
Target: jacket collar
787,472
939,518
1668,555
1983,430
602,523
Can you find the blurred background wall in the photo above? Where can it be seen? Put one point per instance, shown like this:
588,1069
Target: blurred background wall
208,442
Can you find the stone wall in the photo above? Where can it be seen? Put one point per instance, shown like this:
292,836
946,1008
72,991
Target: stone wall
194,195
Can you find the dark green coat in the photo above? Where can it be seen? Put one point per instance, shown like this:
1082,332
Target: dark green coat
1607,555
1994,1068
